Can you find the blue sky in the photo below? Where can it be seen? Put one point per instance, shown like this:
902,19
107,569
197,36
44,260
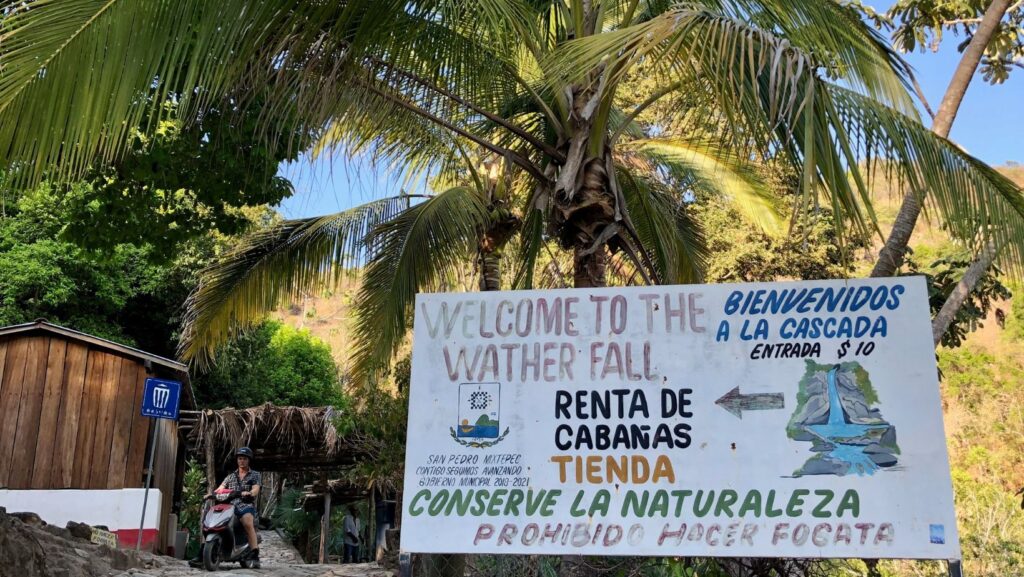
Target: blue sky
990,125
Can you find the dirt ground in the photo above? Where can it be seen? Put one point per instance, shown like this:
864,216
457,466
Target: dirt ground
31,548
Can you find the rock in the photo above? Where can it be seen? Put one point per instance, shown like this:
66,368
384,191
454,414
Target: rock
80,530
889,437
882,456
48,551
18,550
121,559
802,435
816,412
29,519
823,465
883,459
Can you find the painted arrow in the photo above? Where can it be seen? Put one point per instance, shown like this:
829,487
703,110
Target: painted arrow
736,403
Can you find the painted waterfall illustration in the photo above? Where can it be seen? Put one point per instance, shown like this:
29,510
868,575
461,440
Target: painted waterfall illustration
835,412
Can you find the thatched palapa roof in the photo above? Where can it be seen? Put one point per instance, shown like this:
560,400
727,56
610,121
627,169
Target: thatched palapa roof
284,439
342,491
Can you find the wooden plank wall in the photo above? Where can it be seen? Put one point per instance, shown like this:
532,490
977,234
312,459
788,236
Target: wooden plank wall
164,465
69,418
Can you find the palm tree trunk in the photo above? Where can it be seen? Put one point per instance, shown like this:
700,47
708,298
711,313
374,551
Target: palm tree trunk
589,269
490,270
891,256
586,221
492,241
957,88
962,290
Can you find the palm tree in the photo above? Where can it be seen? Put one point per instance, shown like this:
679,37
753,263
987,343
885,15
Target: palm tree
532,82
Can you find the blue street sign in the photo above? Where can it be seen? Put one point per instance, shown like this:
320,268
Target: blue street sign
161,399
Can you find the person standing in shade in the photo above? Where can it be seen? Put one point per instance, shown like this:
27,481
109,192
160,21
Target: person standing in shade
352,528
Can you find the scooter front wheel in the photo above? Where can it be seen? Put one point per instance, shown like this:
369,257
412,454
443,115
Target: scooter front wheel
211,554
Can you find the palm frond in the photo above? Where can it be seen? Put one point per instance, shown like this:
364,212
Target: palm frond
843,44
288,259
531,239
976,202
415,252
705,164
697,43
80,76
665,228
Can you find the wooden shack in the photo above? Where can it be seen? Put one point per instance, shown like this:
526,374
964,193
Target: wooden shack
70,422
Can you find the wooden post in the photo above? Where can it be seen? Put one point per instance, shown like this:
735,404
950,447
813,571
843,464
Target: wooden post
954,568
325,526
211,470
371,543
405,564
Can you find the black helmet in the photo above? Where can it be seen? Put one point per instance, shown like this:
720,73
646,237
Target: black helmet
244,452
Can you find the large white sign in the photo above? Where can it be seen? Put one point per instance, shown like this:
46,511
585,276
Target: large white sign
759,420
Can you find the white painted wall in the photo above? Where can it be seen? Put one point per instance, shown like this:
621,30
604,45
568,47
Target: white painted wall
116,508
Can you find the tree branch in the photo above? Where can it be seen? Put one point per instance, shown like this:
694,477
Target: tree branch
891,256
921,97
515,157
653,98
556,122
507,125
962,290
627,18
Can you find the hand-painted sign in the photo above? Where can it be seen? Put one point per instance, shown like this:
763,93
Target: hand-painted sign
758,420
101,537
160,399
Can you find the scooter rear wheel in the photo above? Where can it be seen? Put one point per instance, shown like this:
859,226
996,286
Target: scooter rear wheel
211,554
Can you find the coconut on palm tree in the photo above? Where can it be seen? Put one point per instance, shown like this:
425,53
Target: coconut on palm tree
533,83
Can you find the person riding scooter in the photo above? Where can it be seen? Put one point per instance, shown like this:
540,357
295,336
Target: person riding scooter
241,488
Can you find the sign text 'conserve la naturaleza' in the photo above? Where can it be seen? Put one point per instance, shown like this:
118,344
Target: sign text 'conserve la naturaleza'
758,420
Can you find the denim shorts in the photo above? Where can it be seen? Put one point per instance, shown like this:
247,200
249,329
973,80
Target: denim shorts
241,510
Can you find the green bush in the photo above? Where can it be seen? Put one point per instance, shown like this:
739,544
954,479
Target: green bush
965,370
272,363
192,491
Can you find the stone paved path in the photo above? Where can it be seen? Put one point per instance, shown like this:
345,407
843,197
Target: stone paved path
278,559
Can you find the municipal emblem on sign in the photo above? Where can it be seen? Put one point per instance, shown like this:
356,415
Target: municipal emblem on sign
479,415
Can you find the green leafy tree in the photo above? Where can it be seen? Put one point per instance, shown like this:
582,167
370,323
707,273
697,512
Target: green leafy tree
943,274
376,426
272,363
44,276
297,523
741,254
921,24
184,180
193,488
129,292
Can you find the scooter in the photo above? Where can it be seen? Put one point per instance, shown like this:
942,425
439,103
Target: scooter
224,538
